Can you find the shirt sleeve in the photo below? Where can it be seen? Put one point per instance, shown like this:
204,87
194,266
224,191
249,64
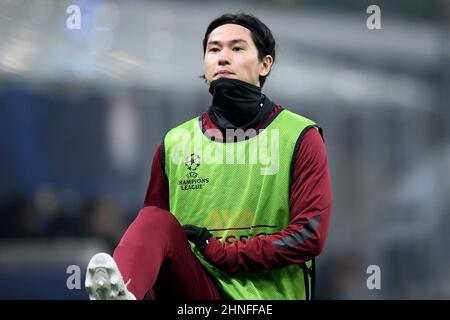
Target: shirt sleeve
310,209
158,188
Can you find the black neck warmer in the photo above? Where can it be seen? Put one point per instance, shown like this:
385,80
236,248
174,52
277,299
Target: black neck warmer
238,104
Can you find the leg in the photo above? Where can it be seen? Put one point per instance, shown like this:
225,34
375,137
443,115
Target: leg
155,256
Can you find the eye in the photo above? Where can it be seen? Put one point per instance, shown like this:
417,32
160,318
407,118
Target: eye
213,50
237,49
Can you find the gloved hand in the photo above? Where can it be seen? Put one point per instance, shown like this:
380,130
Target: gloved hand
198,236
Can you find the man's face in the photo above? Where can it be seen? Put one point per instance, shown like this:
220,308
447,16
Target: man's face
231,53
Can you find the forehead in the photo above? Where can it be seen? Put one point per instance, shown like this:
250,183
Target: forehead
229,32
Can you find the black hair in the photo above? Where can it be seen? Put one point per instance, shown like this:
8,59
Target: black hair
261,34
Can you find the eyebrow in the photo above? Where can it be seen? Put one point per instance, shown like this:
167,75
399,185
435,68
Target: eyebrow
219,43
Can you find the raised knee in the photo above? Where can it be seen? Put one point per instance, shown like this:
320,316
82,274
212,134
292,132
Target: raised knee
158,217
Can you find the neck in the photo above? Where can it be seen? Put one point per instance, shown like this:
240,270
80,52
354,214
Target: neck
237,104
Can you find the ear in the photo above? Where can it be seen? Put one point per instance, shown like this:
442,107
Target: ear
265,65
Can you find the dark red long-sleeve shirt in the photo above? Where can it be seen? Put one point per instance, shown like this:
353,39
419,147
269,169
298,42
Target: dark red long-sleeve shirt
310,202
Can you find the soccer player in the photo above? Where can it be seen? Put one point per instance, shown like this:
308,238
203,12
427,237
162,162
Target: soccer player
247,183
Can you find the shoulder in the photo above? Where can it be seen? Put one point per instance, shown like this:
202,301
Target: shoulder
187,125
296,116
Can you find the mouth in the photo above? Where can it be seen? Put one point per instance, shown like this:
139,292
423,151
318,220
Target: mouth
223,73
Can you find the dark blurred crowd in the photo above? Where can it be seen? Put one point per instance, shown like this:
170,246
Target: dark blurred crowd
43,216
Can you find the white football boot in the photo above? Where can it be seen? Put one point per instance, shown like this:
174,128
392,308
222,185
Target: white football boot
104,281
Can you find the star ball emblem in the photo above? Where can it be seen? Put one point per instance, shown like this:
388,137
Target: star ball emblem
192,162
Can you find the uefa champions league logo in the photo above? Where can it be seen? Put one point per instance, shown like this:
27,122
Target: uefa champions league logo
192,163
194,182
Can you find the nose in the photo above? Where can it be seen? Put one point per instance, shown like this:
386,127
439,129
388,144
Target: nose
224,57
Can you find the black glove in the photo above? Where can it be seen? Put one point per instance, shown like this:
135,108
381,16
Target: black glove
198,236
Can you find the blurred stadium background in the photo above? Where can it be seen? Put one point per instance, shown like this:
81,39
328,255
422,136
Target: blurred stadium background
82,111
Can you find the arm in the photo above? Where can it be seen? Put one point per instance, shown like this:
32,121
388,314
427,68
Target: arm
304,237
